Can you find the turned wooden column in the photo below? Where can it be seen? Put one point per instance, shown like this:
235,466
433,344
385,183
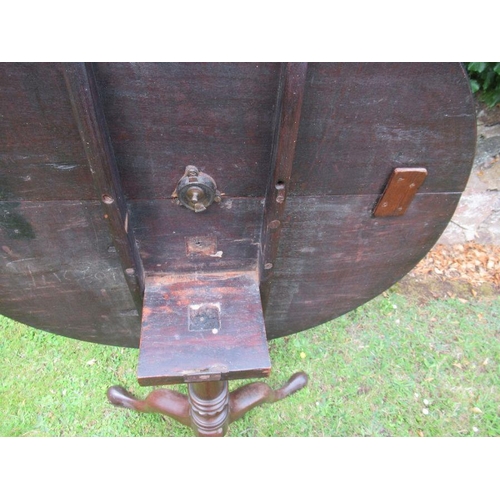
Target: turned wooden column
209,408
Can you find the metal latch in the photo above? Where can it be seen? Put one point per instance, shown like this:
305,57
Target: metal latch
196,190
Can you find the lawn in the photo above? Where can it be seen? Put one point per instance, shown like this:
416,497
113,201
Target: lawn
418,360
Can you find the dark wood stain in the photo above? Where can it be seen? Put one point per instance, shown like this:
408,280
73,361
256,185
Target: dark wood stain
89,116
14,224
163,117
360,121
161,228
65,280
61,266
41,156
326,267
287,125
174,351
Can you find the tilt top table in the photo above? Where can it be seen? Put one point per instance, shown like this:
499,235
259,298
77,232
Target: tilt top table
197,211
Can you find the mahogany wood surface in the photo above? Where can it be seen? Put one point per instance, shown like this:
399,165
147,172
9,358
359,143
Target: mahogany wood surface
360,121
209,407
163,228
60,272
202,327
60,268
216,116
41,154
87,110
401,188
326,264
289,105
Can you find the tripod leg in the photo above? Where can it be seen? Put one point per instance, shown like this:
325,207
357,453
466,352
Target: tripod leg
249,396
169,403
209,408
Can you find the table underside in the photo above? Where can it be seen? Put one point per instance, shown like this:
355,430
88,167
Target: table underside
62,267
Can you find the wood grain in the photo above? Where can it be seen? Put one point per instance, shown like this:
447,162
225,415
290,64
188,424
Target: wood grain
358,122
335,257
87,110
162,229
60,272
175,348
288,120
41,156
401,188
216,116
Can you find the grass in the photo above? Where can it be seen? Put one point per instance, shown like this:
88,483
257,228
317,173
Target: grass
397,366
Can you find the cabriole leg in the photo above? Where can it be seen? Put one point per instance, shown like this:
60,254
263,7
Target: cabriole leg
209,408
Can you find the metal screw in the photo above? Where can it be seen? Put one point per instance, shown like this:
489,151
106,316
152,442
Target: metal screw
385,204
107,199
412,185
195,194
268,266
275,224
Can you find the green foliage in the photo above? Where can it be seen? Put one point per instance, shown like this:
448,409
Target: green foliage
485,79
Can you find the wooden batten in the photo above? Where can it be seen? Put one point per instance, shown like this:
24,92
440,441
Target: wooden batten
88,113
291,94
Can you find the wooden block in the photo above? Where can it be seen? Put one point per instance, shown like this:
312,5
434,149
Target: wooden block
400,191
202,327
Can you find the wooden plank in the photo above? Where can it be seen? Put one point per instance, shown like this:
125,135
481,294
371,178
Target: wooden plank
41,155
287,125
164,229
215,116
361,121
202,327
334,255
59,272
401,188
92,126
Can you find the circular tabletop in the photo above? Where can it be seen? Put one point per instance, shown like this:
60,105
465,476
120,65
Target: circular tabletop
303,157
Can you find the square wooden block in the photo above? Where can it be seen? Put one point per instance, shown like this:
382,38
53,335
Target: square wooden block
202,327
